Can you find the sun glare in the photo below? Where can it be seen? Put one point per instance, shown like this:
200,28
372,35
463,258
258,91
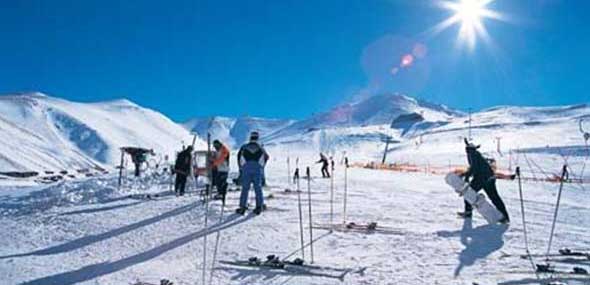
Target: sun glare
469,14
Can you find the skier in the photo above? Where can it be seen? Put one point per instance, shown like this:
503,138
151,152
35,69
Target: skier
483,177
182,168
324,161
252,158
220,165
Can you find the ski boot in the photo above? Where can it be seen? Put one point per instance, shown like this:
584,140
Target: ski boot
241,210
254,261
259,210
297,261
274,261
465,215
372,226
504,221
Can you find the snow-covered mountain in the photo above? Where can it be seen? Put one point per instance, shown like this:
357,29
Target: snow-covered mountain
39,132
371,120
235,131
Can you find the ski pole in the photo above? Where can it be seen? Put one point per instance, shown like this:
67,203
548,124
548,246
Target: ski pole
288,172
564,175
296,177
216,243
310,215
345,188
207,189
332,194
526,239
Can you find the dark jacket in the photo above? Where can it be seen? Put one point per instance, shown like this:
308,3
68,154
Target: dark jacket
252,151
479,168
183,162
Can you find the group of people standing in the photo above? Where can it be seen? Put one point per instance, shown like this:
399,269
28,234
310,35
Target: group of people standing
252,158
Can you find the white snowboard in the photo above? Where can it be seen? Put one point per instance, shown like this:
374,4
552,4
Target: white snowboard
477,200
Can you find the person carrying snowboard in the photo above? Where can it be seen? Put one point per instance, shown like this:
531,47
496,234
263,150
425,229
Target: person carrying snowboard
324,161
220,166
252,158
182,169
482,176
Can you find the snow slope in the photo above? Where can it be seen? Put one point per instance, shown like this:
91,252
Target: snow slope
45,133
88,232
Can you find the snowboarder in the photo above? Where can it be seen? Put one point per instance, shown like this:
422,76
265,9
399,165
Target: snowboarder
324,161
182,169
220,165
252,158
483,177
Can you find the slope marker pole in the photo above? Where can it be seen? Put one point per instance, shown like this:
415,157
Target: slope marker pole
345,189
564,175
310,214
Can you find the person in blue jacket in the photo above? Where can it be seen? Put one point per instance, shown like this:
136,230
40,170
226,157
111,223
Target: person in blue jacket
252,158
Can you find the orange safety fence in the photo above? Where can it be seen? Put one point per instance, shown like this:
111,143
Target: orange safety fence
442,170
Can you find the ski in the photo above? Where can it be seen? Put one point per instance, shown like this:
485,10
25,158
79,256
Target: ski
564,252
162,282
296,266
551,269
371,227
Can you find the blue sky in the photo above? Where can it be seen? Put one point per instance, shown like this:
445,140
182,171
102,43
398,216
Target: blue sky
289,58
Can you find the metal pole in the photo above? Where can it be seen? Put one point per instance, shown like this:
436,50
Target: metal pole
207,189
121,169
469,136
526,239
563,177
310,215
332,194
288,172
300,213
217,238
345,188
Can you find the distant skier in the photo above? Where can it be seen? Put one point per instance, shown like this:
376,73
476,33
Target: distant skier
252,158
221,169
182,168
483,177
324,161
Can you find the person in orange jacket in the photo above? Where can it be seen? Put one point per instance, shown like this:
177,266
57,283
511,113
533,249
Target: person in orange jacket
220,165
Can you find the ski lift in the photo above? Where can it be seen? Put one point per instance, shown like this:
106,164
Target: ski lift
138,157
585,133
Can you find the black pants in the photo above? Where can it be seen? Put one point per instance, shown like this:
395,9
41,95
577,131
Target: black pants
490,188
325,172
221,183
180,184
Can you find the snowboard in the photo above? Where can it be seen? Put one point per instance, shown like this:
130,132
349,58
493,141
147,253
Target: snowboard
477,200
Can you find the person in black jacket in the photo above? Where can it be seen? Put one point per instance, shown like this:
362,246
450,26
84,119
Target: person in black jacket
324,161
483,177
182,168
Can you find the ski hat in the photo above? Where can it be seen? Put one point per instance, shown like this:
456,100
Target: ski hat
254,136
470,146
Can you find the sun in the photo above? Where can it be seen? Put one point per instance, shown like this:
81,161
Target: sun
469,14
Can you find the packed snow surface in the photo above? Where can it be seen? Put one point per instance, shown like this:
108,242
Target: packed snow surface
88,232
